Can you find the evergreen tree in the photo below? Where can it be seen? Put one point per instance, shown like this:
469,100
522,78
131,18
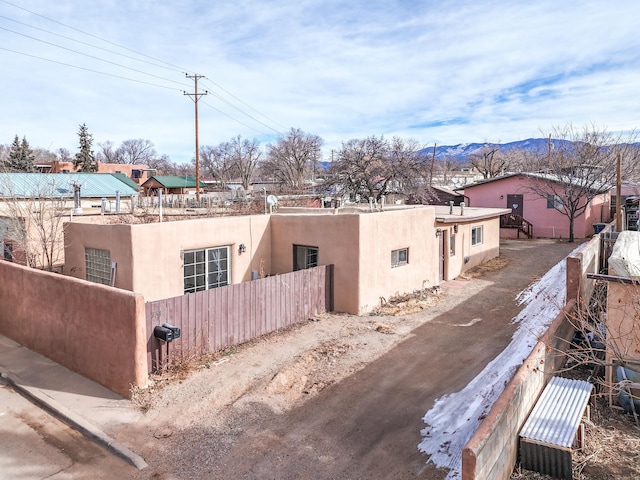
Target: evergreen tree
21,157
84,160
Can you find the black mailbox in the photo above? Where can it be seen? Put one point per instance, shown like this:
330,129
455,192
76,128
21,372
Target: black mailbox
175,331
163,333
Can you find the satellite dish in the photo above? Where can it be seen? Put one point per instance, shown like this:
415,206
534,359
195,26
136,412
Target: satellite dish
272,200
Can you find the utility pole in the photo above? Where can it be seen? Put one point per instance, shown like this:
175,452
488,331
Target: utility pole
195,97
619,194
433,160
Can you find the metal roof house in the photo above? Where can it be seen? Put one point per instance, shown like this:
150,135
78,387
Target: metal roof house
170,184
35,206
61,185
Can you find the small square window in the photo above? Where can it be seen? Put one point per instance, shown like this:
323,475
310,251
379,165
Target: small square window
554,201
304,257
399,257
476,235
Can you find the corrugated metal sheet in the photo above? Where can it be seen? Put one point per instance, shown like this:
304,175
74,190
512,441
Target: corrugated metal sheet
54,185
549,433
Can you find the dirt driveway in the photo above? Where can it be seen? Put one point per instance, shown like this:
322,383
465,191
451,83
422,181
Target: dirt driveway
339,397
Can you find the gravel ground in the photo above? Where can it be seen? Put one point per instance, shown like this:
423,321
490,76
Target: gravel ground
197,414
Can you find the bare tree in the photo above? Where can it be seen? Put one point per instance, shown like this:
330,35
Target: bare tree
108,153
445,170
245,157
135,151
489,161
372,167
579,168
33,222
217,162
64,155
294,158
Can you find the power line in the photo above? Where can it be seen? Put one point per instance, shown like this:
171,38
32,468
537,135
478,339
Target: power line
234,119
92,56
242,111
172,66
91,45
91,35
88,69
247,105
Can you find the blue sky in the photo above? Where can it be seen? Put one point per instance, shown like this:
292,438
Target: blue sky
444,72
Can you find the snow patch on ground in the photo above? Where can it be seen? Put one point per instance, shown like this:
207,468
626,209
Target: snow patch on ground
454,418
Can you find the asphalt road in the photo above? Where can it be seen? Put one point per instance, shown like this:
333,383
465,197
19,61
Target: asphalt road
36,446
368,426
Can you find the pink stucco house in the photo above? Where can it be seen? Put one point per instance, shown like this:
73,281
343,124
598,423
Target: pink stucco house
540,218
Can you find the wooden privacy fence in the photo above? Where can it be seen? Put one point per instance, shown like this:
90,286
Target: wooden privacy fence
218,318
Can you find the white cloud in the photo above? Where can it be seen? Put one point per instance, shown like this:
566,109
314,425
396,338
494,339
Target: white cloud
446,72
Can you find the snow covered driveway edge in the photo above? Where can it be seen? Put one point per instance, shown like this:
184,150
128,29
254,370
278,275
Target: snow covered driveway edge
455,417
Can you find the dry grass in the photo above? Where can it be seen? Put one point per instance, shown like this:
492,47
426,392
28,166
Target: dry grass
497,263
408,303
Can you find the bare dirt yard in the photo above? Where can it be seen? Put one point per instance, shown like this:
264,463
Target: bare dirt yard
342,396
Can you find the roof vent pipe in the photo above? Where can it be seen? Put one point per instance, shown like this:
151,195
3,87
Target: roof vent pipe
451,207
77,205
461,208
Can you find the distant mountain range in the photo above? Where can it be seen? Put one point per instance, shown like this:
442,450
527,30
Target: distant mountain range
463,151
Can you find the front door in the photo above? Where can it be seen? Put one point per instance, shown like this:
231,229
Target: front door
441,257
514,202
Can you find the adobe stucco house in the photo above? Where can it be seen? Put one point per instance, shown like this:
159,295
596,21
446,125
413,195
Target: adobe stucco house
376,254
514,191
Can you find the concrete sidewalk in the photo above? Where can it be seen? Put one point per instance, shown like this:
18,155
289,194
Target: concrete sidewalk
79,402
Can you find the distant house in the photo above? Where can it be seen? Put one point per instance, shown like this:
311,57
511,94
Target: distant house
169,184
34,207
540,216
376,254
137,173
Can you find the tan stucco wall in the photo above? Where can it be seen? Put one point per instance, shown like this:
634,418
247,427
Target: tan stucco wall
337,239
359,244
623,300
382,232
149,256
475,254
623,325
97,331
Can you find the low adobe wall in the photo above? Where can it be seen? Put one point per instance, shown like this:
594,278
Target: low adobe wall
94,330
493,449
585,260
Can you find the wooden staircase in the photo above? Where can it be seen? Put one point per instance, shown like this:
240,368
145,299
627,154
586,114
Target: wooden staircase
516,221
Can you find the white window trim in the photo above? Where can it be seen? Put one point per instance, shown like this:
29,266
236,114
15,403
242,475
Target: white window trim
206,266
396,257
480,241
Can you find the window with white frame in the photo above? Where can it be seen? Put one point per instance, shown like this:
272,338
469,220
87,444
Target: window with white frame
476,235
399,257
304,257
206,268
452,244
98,265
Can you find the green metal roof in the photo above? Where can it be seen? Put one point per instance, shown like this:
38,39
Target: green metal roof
170,181
126,180
48,185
